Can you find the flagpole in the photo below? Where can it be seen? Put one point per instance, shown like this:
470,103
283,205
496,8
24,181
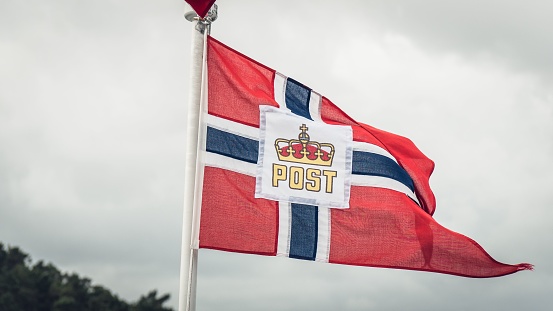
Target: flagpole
193,174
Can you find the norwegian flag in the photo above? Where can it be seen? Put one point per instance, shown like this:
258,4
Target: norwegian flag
386,216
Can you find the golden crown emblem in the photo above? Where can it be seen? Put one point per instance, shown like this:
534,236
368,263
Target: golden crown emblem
302,150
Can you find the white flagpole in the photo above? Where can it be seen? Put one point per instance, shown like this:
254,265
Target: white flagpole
193,178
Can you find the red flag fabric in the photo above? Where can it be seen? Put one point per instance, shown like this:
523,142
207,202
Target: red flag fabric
386,220
201,6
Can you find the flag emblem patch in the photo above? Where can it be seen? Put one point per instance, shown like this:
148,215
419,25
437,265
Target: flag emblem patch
303,162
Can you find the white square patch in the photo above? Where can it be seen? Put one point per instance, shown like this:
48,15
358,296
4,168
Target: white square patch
302,161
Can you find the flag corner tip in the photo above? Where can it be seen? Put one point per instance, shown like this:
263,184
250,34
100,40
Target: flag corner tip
525,266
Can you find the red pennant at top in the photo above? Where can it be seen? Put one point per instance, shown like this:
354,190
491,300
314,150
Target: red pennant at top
201,6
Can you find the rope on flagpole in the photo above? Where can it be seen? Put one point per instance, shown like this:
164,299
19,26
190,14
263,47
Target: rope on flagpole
202,23
194,172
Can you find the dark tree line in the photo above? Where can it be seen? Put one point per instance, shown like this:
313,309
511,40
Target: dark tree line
42,287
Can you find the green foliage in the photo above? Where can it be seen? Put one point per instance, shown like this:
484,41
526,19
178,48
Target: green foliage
42,287
150,302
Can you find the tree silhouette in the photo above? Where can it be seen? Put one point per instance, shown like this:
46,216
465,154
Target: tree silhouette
150,302
42,287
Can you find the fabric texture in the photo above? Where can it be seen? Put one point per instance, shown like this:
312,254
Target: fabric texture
389,220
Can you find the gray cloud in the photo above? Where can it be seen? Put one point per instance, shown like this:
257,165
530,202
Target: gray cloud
514,32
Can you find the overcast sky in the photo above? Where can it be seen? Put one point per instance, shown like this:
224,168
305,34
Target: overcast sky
93,99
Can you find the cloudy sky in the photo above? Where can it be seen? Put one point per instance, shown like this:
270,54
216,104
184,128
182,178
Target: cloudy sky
93,99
